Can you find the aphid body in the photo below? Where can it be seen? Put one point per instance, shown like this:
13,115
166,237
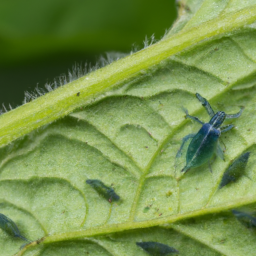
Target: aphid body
235,170
157,249
105,191
10,227
205,143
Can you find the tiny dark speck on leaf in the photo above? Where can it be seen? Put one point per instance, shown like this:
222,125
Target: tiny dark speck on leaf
78,94
169,193
105,191
40,240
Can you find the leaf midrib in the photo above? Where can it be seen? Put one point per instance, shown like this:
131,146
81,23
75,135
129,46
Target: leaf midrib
113,228
130,225
63,100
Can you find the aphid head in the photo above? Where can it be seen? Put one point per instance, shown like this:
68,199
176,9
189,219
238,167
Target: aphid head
218,119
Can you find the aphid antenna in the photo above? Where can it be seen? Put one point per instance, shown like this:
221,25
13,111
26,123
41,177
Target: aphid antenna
24,238
185,111
23,245
236,115
225,148
210,167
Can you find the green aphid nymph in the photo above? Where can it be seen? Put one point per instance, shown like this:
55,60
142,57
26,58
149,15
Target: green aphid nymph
105,191
157,249
205,143
10,227
235,170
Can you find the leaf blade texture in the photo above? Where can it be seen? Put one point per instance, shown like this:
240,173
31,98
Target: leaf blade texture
129,136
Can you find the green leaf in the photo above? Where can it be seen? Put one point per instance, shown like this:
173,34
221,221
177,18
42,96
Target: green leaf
125,129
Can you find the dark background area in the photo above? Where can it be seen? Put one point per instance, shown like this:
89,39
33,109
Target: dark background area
40,40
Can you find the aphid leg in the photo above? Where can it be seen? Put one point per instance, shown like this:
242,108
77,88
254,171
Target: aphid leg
192,117
219,152
24,238
210,163
235,115
226,128
23,245
184,140
206,104
185,169
210,166
179,153
224,145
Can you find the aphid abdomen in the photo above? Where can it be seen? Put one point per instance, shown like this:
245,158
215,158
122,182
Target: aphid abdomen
202,147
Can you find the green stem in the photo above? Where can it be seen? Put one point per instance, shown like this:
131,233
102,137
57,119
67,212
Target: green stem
64,100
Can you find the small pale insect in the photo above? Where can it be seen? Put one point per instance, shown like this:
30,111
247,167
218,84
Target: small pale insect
235,170
105,191
205,143
157,249
247,219
10,227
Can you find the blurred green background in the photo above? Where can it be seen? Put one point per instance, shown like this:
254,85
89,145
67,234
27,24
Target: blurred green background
42,39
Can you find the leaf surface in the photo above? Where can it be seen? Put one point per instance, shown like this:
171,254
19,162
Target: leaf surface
128,138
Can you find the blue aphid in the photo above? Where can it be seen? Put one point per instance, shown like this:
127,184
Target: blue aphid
235,170
205,143
157,249
10,227
105,191
245,218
